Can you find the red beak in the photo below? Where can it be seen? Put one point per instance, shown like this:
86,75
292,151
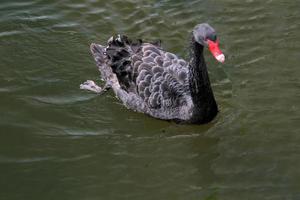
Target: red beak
215,50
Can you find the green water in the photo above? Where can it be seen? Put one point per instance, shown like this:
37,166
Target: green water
58,142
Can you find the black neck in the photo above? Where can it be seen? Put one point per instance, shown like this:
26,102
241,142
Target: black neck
203,98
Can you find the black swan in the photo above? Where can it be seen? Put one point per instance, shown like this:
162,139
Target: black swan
150,80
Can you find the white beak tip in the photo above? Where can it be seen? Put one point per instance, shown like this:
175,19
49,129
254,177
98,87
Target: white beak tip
221,58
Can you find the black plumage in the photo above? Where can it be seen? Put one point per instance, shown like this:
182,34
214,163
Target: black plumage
140,69
150,80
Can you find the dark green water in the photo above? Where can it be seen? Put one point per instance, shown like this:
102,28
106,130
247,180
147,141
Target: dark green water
58,142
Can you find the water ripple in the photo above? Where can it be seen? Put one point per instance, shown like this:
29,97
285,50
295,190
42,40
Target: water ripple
89,146
10,33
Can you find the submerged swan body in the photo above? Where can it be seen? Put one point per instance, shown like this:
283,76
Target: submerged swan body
149,80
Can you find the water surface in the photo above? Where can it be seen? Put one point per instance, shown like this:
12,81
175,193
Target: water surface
58,142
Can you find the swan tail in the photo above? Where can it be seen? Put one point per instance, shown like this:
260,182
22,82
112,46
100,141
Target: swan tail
99,54
120,51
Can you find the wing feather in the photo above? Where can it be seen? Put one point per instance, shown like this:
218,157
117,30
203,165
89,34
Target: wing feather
159,78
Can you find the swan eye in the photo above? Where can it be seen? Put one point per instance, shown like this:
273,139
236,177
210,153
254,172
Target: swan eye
212,37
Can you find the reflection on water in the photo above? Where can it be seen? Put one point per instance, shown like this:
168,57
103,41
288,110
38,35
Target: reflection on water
58,142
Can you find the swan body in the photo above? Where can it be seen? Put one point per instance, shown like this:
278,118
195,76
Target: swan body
150,80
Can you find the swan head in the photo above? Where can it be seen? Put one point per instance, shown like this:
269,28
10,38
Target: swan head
206,36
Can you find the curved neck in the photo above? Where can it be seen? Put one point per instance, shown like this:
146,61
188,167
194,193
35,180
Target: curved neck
205,107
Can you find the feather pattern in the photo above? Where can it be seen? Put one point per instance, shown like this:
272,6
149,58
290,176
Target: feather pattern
158,80
150,80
